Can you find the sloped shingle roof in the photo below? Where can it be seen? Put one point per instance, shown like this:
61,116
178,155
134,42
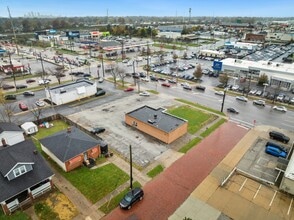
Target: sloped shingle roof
66,145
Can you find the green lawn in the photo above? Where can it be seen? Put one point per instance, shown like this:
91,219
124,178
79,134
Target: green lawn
18,215
155,171
209,130
44,212
190,145
97,183
58,125
114,202
196,118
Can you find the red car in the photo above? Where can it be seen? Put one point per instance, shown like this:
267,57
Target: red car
165,84
129,89
23,106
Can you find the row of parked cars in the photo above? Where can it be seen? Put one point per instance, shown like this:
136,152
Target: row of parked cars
275,149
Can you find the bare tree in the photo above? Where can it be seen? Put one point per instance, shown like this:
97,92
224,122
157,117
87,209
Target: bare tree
224,78
121,72
114,73
58,72
37,113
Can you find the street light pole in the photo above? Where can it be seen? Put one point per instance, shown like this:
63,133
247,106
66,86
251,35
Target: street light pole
222,108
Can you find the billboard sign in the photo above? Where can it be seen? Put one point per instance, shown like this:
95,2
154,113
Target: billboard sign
217,65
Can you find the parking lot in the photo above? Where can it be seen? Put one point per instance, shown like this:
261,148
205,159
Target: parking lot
119,136
259,164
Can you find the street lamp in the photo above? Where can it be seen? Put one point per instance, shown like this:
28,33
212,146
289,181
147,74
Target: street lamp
264,88
225,91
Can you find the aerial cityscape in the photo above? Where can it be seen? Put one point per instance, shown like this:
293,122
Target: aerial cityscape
146,110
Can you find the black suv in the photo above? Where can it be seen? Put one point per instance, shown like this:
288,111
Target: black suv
279,136
10,97
131,197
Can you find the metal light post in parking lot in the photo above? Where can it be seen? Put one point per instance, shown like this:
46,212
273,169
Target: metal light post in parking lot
225,91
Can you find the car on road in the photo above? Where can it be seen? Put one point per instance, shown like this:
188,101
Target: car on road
172,81
23,106
10,97
21,86
129,89
145,93
28,93
200,88
97,130
275,135
242,98
40,103
145,79
221,93
187,87
232,110
280,108
274,151
259,102
30,80
6,87
165,85
43,81
131,197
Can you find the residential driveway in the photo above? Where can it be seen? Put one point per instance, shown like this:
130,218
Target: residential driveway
171,188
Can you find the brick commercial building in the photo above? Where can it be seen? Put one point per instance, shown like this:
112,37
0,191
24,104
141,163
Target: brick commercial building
157,123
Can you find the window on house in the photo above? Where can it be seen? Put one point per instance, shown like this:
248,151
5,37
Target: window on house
19,171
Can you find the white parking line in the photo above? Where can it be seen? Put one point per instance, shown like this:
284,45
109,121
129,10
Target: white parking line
273,198
257,191
243,184
290,206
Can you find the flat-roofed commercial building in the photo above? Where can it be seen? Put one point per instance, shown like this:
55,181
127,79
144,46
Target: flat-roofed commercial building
157,123
71,92
279,74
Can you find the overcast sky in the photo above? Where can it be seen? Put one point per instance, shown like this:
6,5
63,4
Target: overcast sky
69,8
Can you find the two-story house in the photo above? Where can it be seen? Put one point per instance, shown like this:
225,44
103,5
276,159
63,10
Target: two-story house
24,174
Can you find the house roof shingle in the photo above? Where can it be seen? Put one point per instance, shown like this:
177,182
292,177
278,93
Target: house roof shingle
7,126
22,152
66,145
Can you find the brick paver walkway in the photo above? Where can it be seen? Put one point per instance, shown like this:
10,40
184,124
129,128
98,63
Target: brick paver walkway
170,189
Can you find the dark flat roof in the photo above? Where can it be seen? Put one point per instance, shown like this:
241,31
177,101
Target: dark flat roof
157,118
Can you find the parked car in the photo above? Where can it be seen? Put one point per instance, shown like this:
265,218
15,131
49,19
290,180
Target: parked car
43,81
129,89
252,92
10,97
279,136
165,84
40,103
21,86
259,102
97,130
23,106
275,151
100,92
280,97
101,80
242,98
131,197
286,99
232,110
235,87
221,93
280,108
277,146
200,87
145,93
28,93
258,93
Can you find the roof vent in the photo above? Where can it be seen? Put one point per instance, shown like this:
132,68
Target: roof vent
155,116
35,152
3,142
68,129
